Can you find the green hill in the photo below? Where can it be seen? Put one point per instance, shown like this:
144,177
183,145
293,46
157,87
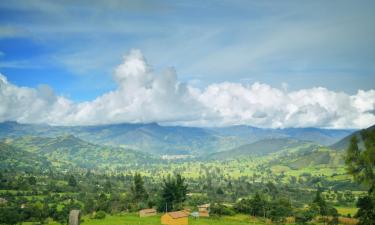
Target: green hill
344,143
13,158
263,147
318,157
70,150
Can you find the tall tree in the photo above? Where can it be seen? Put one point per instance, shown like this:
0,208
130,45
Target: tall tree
180,189
72,181
361,163
258,205
173,193
168,195
138,190
32,180
320,202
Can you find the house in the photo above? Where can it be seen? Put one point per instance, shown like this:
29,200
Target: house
147,212
204,210
187,211
175,218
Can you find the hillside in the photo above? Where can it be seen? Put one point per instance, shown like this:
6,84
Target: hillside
13,158
344,143
317,157
264,147
253,134
150,138
70,150
172,140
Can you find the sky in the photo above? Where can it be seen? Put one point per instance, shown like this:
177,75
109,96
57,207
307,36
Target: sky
192,63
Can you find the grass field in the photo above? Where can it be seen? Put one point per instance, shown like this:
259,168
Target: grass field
134,219
347,210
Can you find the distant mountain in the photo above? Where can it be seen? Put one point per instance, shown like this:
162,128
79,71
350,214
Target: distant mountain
67,150
316,135
343,144
172,140
264,147
150,138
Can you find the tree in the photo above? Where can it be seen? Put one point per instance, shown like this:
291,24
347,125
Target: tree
32,180
180,189
138,190
100,215
173,193
361,165
107,186
243,206
334,216
221,210
89,205
168,195
258,205
320,203
304,216
9,215
366,211
72,181
103,203
272,190
219,191
279,210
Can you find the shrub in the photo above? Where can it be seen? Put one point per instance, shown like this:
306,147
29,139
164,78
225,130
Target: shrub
221,210
304,216
99,215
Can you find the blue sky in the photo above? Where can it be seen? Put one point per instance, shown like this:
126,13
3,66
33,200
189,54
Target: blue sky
74,47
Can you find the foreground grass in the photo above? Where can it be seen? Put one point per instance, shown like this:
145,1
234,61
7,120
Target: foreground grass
133,219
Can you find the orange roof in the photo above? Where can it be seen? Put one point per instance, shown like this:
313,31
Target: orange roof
178,214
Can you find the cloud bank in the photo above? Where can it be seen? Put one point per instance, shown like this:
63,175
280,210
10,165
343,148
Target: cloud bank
144,96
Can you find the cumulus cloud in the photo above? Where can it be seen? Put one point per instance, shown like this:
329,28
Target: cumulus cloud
144,96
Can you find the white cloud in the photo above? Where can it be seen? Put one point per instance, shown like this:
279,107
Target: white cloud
143,96
30,105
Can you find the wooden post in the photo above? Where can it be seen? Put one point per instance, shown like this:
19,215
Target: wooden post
74,217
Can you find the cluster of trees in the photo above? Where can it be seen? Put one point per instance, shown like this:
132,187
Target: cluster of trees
35,211
92,192
277,209
173,194
57,206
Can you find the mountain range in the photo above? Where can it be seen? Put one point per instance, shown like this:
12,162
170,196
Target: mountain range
173,140
128,146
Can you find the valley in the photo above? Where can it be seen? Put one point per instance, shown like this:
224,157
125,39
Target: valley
59,168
